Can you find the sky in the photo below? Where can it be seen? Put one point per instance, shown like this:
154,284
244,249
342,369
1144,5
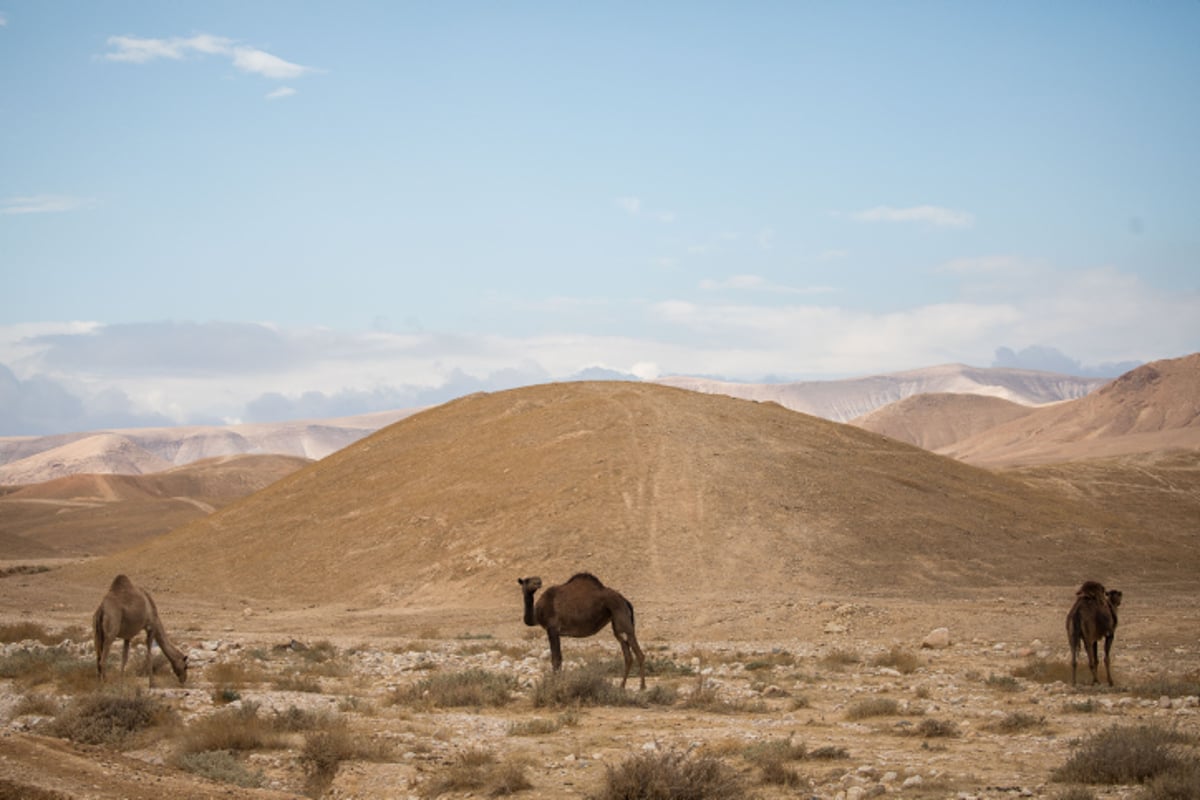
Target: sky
228,212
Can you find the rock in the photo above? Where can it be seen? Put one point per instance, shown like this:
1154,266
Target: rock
938,639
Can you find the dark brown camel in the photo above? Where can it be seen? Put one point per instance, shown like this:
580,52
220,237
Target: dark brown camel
581,607
1093,617
126,611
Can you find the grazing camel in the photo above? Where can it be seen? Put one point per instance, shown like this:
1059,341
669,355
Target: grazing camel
1093,617
581,607
126,611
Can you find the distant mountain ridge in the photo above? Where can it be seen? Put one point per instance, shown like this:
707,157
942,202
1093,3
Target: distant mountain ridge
139,451
844,400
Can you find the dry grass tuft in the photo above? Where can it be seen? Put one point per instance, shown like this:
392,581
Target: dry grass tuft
772,757
233,729
37,666
1041,670
670,775
593,685
839,659
1167,686
936,728
1015,722
543,726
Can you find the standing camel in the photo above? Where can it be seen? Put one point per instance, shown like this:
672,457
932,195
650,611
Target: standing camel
1093,617
126,611
581,607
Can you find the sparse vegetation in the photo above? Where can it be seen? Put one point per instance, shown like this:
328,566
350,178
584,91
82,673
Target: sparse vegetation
233,729
1167,686
36,666
473,687
670,775
27,631
839,659
932,728
478,770
707,697
542,726
1003,683
772,758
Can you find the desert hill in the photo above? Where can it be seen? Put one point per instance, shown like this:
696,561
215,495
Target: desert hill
138,451
844,400
932,421
98,514
1153,408
728,506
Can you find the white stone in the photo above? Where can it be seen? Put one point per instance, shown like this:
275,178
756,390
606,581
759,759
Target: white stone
937,639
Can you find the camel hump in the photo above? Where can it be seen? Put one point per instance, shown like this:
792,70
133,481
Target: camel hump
121,583
1091,589
586,576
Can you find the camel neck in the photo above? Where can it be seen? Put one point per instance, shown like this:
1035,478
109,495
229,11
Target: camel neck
529,615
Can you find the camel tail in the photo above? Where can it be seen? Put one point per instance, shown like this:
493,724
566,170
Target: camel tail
629,605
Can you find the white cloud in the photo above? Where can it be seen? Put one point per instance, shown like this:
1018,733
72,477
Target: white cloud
42,204
933,215
634,207
138,50
281,92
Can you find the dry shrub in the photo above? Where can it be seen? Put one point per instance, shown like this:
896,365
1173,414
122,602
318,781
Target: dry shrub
542,726
222,766
1124,755
1015,722
772,757
706,697
478,770
36,666
234,674
235,729
936,728
38,704
839,659
1003,683
872,707
899,659
297,682
1076,793
110,719
476,688
829,752
776,658
592,685
1041,670
1179,783
670,775
27,631
1167,686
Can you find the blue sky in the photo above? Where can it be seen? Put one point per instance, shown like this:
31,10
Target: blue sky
251,211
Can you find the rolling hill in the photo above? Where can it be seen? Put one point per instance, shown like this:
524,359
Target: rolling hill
933,421
675,496
1155,407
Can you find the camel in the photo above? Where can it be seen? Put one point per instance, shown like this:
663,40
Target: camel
126,611
1093,617
579,608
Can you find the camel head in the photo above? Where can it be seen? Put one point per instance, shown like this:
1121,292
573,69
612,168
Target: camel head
1114,597
179,667
530,585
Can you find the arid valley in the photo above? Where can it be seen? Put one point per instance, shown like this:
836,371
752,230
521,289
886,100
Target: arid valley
834,610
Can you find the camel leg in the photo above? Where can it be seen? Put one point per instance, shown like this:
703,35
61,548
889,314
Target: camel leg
1108,640
628,656
1073,640
555,650
150,657
1094,660
641,658
103,645
124,656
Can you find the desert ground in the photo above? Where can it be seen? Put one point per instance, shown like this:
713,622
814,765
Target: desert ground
842,680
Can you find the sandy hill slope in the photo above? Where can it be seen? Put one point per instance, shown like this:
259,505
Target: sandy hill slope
138,451
1152,408
97,514
845,400
932,421
728,505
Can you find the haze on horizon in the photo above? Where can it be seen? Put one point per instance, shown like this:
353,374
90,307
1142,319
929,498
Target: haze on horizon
231,212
